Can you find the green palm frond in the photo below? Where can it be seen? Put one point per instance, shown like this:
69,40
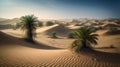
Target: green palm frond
28,24
86,36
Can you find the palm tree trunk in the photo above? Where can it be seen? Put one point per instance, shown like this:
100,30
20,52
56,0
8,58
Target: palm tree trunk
84,44
29,35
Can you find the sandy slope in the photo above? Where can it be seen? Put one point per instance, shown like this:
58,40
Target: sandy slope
61,42
16,52
107,41
42,29
60,30
64,42
73,27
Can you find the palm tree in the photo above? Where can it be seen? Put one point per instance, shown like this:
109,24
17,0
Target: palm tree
29,26
85,36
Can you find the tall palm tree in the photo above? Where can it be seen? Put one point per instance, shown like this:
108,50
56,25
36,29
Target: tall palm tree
85,36
29,26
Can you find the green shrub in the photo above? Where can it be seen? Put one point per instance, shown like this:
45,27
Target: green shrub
49,23
112,29
53,35
40,24
71,35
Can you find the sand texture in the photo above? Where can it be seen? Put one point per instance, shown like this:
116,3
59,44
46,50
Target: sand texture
17,52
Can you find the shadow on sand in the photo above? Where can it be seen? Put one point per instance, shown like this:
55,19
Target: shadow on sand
6,39
39,45
99,56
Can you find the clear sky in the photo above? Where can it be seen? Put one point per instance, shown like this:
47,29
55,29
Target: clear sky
60,9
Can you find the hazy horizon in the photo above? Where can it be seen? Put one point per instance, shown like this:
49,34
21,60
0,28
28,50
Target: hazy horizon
60,9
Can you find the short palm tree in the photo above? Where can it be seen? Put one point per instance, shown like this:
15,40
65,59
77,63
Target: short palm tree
29,26
85,36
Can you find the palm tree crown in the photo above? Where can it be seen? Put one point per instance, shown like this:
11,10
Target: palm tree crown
86,37
29,26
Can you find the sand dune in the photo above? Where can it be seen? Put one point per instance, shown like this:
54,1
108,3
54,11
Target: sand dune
115,32
42,29
12,53
73,27
60,30
42,37
7,40
106,41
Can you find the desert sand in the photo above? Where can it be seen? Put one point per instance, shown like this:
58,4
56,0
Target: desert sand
14,51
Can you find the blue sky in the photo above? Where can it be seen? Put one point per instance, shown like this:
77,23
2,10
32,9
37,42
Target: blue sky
60,9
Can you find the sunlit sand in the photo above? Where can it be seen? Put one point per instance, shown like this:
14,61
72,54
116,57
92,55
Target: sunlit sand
53,52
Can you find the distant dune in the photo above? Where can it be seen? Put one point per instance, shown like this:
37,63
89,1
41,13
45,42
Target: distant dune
8,23
2,19
60,30
115,32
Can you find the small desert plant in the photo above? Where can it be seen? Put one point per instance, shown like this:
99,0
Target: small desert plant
40,24
112,46
49,23
17,25
53,35
113,29
100,27
71,35
84,38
